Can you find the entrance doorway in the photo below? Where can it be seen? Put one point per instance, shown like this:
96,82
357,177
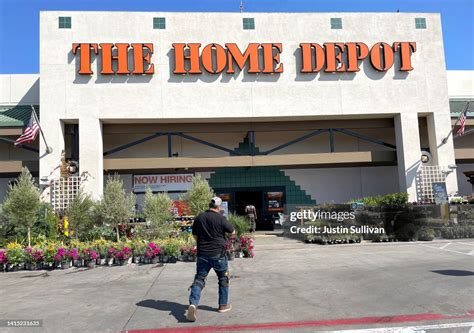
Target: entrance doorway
261,197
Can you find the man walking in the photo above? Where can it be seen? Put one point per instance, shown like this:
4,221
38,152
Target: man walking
209,230
251,216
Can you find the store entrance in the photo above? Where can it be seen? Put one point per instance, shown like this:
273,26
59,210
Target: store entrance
244,198
268,201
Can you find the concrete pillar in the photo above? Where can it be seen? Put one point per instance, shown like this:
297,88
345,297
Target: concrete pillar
49,162
91,155
408,152
439,125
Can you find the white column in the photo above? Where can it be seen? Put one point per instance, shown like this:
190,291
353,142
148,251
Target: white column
90,155
408,152
439,125
49,162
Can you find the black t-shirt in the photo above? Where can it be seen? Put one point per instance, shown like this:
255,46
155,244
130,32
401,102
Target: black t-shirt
210,228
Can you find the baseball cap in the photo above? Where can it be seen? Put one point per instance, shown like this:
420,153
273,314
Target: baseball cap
216,201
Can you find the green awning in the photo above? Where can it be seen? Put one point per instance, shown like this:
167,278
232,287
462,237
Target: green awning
16,116
457,106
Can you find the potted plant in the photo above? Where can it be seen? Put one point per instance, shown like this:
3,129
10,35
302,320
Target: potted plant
152,253
172,249
192,253
62,258
111,252
33,258
123,255
49,252
101,247
74,254
230,248
139,248
3,260
246,246
15,257
90,257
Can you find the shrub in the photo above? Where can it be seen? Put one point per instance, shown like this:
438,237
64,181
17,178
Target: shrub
46,222
457,231
22,204
116,206
240,223
399,199
425,234
198,196
407,232
158,211
80,214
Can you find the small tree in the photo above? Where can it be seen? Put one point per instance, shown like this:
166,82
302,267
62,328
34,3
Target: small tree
116,206
157,210
81,214
22,203
199,195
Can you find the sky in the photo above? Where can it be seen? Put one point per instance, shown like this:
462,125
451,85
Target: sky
19,21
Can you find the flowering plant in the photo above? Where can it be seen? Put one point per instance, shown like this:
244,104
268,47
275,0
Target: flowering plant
49,253
246,246
152,250
101,246
33,255
230,244
124,254
89,254
3,257
15,254
61,255
192,250
112,252
73,254
139,248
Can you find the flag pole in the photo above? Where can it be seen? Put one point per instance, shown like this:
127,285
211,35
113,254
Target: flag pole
454,125
48,148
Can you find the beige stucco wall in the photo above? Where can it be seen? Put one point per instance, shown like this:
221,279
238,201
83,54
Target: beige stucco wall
164,96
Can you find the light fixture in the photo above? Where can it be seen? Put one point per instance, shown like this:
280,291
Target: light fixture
426,157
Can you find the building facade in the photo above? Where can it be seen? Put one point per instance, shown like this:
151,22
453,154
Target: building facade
272,108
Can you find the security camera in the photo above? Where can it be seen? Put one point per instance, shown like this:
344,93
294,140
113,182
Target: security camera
452,166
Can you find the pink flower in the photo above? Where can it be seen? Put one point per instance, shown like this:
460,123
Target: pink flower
3,257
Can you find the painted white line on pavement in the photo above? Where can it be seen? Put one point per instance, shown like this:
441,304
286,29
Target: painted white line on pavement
407,329
471,244
445,245
447,250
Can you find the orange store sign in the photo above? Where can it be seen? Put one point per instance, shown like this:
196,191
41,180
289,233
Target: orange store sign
193,58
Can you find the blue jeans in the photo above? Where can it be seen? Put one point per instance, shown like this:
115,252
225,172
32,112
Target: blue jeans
203,266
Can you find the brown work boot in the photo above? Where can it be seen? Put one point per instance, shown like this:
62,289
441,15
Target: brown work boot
224,308
191,315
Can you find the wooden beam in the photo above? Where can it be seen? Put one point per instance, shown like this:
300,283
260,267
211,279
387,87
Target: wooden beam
469,121
246,126
286,160
464,155
10,131
15,166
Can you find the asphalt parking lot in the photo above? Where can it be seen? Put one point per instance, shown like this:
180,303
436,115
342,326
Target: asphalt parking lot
288,286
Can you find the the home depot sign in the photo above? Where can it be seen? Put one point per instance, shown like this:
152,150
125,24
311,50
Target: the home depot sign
193,58
162,183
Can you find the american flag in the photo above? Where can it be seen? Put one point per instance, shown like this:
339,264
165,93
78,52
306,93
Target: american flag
462,121
30,132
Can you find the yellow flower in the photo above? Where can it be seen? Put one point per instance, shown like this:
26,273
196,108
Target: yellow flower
14,245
